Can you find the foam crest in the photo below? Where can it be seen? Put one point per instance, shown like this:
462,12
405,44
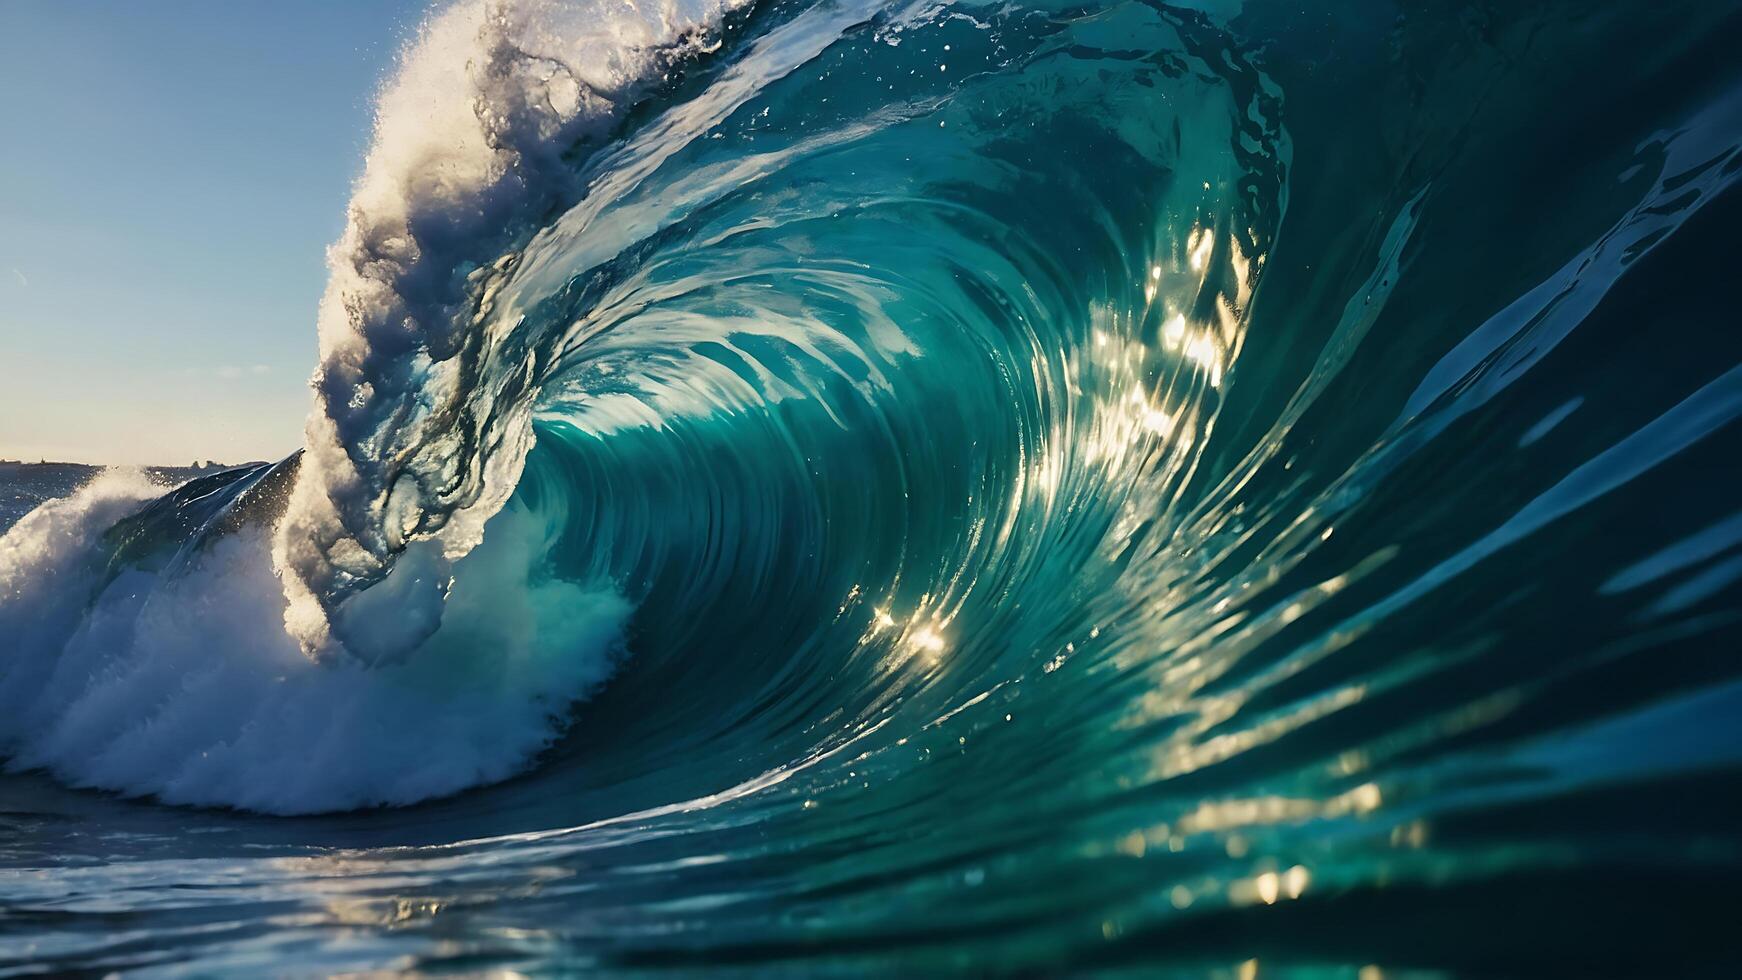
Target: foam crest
421,423
49,567
184,688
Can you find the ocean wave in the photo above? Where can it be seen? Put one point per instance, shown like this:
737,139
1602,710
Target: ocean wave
951,485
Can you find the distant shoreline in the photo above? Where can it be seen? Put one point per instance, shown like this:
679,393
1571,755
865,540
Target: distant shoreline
197,466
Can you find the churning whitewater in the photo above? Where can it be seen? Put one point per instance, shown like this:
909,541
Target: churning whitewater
852,486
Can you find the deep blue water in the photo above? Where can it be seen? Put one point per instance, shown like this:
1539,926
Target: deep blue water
1216,489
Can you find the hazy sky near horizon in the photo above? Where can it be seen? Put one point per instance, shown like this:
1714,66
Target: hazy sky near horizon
170,178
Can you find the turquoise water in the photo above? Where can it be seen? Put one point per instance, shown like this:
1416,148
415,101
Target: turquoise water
1209,490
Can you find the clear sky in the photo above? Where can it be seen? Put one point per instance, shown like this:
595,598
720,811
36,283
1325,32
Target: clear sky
170,177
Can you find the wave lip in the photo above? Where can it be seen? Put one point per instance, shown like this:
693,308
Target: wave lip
415,436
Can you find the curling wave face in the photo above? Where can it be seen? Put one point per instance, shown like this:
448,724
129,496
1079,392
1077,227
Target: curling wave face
950,484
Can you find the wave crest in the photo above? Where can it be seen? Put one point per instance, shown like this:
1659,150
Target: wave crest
412,437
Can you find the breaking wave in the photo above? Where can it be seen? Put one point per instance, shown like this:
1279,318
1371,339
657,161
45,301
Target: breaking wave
896,483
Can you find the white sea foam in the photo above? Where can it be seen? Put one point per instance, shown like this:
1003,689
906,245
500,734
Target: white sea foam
418,434
186,688
415,658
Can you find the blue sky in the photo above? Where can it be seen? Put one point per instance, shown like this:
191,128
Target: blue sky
170,177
